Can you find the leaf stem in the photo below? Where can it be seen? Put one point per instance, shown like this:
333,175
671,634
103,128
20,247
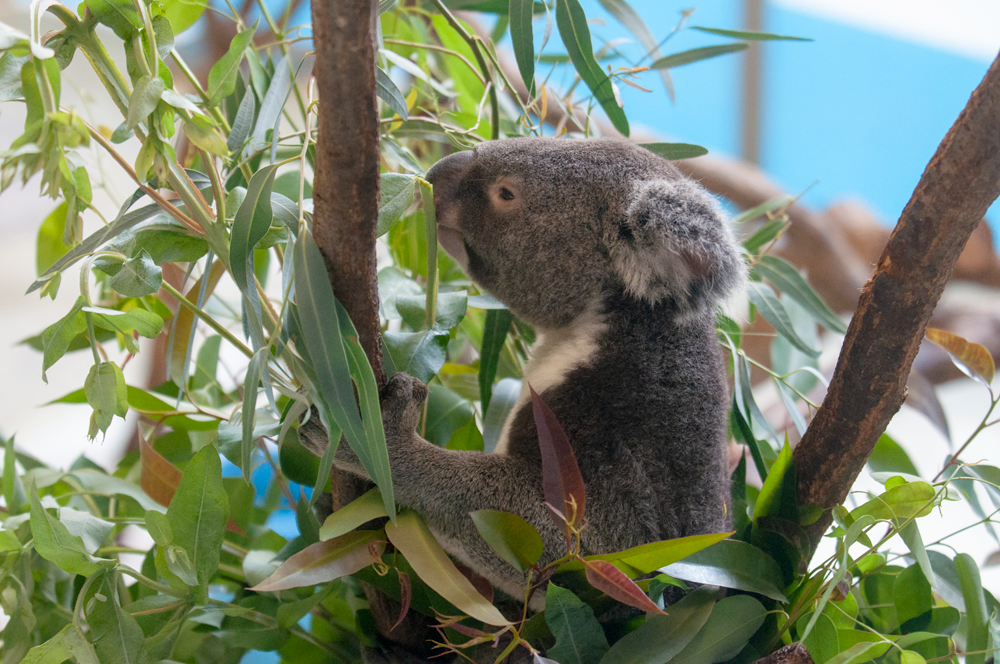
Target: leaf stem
193,308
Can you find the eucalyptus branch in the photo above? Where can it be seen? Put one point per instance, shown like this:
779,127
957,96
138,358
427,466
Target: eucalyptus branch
167,206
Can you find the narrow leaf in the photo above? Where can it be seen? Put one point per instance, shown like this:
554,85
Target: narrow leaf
357,512
614,583
411,536
572,23
495,331
750,36
198,513
971,358
696,54
520,13
253,219
254,370
325,561
390,94
770,307
977,619
510,536
786,278
145,97
561,477
675,150
395,195
222,76
243,122
54,542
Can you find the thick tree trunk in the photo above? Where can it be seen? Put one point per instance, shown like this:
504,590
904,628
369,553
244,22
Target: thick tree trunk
868,386
345,198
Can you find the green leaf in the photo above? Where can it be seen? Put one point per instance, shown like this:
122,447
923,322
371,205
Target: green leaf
359,511
57,337
254,370
889,456
420,354
502,402
99,483
822,641
119,15
763,297
750,36
182,14
69,643
494,337
145,96
579,637
146,323
323,339
204,134
660,638
158,527
414,540
510,536
390,94
222,76
522,38
115,634
198,513
762,209
54,542
446,413
778,494
13,489
696,54
396,194
124,222
253,219
139,276
786,278
913,499
648,558
731,564
272,104
243,122
912,594
325,561
572,23
977,619
50,247
106,394
733,621
675,150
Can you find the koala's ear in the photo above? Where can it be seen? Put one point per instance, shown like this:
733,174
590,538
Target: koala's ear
673,243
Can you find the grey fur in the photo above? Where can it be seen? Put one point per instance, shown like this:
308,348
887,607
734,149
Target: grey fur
619,261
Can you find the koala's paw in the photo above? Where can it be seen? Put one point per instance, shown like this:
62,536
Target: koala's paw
403,400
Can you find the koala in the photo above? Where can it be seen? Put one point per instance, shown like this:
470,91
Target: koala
619,262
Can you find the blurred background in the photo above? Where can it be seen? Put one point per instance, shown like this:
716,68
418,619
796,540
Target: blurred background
848,120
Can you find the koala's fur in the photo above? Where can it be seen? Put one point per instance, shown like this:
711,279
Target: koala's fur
619,262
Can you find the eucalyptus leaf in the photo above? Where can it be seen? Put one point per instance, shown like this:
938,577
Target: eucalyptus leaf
222,75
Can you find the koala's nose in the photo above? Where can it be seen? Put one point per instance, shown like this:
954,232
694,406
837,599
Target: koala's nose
447,173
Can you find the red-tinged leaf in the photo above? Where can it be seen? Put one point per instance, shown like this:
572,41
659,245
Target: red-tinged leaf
324,561
971,358
561,477
405,593
471,632
612,582
480,583
159,478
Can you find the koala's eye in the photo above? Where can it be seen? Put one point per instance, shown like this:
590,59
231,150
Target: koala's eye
506,194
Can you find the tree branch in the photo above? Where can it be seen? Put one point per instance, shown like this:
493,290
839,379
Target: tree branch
868,386
345,199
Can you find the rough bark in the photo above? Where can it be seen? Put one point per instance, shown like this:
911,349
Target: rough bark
868,386
345,199
346,182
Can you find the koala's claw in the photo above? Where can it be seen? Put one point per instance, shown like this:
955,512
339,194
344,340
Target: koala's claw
402,400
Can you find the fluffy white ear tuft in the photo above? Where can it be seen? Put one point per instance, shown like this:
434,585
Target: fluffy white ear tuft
674,243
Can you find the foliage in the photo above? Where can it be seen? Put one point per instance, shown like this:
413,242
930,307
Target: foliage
223,193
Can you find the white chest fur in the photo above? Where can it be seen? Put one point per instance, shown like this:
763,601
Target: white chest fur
555,354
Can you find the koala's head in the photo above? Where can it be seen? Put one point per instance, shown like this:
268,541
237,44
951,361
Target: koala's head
549,226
